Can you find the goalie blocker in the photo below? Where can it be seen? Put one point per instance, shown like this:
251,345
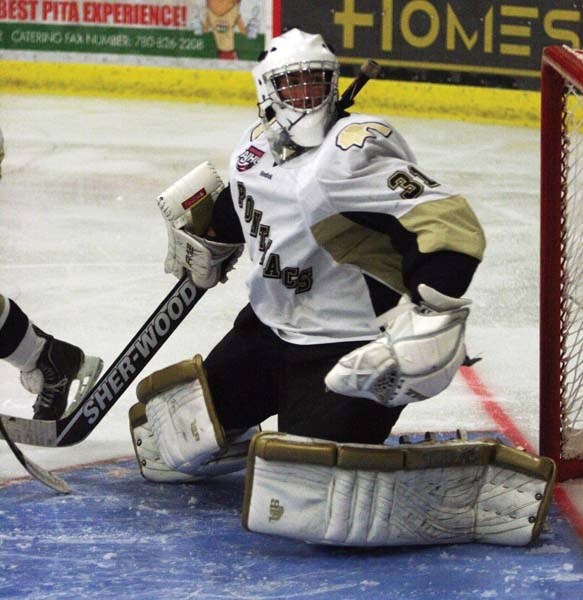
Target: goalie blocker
364,495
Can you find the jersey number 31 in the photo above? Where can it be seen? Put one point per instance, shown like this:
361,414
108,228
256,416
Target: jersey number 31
412,182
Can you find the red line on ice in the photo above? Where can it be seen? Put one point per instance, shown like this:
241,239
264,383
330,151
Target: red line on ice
514,435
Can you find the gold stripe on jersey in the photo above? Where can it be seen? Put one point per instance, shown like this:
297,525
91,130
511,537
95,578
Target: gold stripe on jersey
350,243
448,224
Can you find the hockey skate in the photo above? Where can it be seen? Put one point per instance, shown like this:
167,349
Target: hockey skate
58,365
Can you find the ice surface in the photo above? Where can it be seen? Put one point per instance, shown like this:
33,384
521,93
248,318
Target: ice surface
81,250
82,246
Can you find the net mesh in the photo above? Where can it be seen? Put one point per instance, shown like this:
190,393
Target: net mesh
572,274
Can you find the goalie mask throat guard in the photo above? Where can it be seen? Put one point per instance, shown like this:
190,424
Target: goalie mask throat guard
297,89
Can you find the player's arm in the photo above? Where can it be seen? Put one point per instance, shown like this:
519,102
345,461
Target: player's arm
368,174
225,225
422,343
455,249
201,241
241,25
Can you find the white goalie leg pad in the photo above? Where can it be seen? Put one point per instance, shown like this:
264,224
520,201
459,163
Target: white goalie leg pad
153,468
178,431
230,459
370,495
151,465
416,357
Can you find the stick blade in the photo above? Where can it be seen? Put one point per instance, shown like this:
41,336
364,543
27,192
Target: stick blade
42,475
46,477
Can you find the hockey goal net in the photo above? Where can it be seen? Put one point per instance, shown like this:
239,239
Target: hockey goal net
561,284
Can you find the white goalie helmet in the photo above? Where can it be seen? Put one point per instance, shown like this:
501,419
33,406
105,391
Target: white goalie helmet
297,89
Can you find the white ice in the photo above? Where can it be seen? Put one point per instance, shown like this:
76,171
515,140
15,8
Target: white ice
82,246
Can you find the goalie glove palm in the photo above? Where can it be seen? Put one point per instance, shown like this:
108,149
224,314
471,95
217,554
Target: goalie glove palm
187,208
415,358
207,262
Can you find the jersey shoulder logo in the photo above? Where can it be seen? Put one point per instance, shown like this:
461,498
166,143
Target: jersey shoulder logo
356,134
249,158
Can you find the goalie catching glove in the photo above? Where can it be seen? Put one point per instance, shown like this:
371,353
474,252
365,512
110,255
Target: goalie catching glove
187,208
373,495
416,356
175,430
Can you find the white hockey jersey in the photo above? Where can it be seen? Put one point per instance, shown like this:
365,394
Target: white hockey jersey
309,260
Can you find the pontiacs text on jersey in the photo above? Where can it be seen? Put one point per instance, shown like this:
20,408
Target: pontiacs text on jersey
293,278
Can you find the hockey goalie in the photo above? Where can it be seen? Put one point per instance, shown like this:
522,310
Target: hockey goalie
360,263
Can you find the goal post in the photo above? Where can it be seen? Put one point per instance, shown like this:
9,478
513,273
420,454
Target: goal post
561,260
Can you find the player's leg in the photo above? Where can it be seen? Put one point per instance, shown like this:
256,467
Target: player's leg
374,495
308,409
243,372
176,432
48,366
197,418
360,492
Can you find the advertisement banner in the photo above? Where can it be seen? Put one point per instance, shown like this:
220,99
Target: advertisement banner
225,30
483,42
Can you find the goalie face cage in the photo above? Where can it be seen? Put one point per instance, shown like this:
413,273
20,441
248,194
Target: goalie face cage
561,272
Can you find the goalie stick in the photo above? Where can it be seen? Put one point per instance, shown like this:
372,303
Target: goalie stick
369,70
83,417
45,477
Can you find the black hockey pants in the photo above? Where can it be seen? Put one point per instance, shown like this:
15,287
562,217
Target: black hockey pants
253,375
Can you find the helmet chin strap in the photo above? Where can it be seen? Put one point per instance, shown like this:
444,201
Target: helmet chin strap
294,123
282,146
278,134
280,142
269,116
